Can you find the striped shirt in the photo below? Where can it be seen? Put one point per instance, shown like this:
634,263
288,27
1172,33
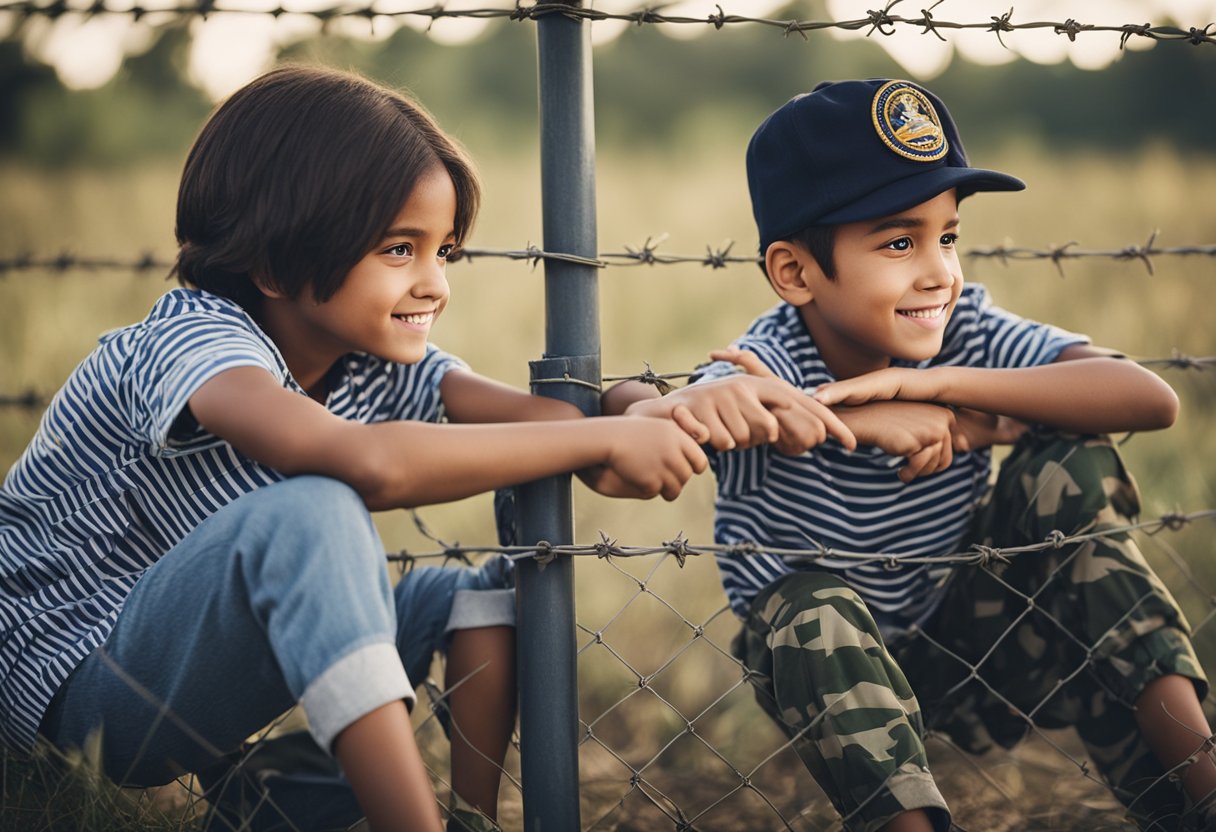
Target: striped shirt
118,473
856,502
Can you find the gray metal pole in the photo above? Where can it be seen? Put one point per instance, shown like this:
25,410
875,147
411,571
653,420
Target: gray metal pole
548,679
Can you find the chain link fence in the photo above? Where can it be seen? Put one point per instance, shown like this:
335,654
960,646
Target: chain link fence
670,733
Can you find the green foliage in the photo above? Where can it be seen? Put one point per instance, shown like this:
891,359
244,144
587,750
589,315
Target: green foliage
146,111
650,90
488,87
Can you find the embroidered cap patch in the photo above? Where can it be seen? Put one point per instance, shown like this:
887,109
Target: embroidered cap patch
907,123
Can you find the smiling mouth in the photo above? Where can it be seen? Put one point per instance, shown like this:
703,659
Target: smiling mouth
417,318
930,312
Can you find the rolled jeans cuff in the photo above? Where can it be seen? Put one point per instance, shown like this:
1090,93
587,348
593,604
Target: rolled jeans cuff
352,687
473,608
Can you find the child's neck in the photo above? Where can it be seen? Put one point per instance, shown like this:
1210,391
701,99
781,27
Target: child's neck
842,367
844,356
309,355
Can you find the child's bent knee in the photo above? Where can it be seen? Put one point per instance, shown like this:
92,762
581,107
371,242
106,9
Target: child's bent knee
808,592
1066,483
312,495
308,513
811,587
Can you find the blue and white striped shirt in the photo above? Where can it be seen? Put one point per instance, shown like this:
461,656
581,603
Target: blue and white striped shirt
856,502
117,474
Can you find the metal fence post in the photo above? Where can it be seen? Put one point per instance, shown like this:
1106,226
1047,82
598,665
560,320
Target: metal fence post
548,712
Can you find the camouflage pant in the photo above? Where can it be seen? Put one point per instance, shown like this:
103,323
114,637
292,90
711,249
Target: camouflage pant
1100,628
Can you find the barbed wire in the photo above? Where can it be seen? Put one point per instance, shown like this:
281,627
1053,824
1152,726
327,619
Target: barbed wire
876,21
29,400
1057,254
33,400
691,724
67,262
1180,361
1176,361
646,781
681,549
641,782
717,258
646,254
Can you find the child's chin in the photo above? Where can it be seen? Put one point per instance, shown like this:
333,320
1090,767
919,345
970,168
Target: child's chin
411,356
922,354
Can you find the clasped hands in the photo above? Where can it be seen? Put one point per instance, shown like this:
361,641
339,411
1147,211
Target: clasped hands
891,409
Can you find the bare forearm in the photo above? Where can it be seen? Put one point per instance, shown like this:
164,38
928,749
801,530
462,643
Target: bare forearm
405,463
1090,395
617,398
470,398
421,464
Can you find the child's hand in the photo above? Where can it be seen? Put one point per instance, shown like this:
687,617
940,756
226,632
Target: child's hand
974,429
646,457
902,383
925,434
751,363
744,411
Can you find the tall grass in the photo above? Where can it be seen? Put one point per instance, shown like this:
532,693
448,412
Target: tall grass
671,316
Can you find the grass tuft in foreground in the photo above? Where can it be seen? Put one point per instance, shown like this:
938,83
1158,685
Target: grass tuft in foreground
50,791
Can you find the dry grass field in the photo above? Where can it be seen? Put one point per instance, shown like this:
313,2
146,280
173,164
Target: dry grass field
670,317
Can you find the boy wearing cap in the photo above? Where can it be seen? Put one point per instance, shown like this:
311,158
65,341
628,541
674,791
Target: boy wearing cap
855,189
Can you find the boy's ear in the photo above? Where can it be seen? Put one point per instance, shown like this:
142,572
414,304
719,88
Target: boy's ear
789,274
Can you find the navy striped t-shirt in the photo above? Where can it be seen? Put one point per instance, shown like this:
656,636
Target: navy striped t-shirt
856,502
117,474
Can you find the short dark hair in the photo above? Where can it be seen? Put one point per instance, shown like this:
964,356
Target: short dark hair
297,176
820,242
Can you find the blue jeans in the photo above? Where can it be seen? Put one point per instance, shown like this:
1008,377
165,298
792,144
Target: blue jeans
280,597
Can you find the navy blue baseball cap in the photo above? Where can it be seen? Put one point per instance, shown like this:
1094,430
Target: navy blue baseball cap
856,150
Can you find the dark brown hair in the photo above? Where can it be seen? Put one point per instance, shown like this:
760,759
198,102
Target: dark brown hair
820,242
298,175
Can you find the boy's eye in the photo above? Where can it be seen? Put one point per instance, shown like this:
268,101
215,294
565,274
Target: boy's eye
400,250
445,251
949,240
902,244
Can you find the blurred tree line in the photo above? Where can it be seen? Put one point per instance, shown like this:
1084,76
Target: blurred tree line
651,90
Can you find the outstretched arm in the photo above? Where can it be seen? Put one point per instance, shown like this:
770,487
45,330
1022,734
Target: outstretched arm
1086,390
469,398
403,464
738,411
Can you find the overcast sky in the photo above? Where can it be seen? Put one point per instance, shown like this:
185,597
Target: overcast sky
230,49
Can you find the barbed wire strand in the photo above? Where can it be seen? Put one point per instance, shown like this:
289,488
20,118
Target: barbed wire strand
640,785
677,549
638,782
1177,360
34,400
877,21
882,22
680,548
646,254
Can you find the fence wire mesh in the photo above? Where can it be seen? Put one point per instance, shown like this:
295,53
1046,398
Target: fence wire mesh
655,656
53,790
672,736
